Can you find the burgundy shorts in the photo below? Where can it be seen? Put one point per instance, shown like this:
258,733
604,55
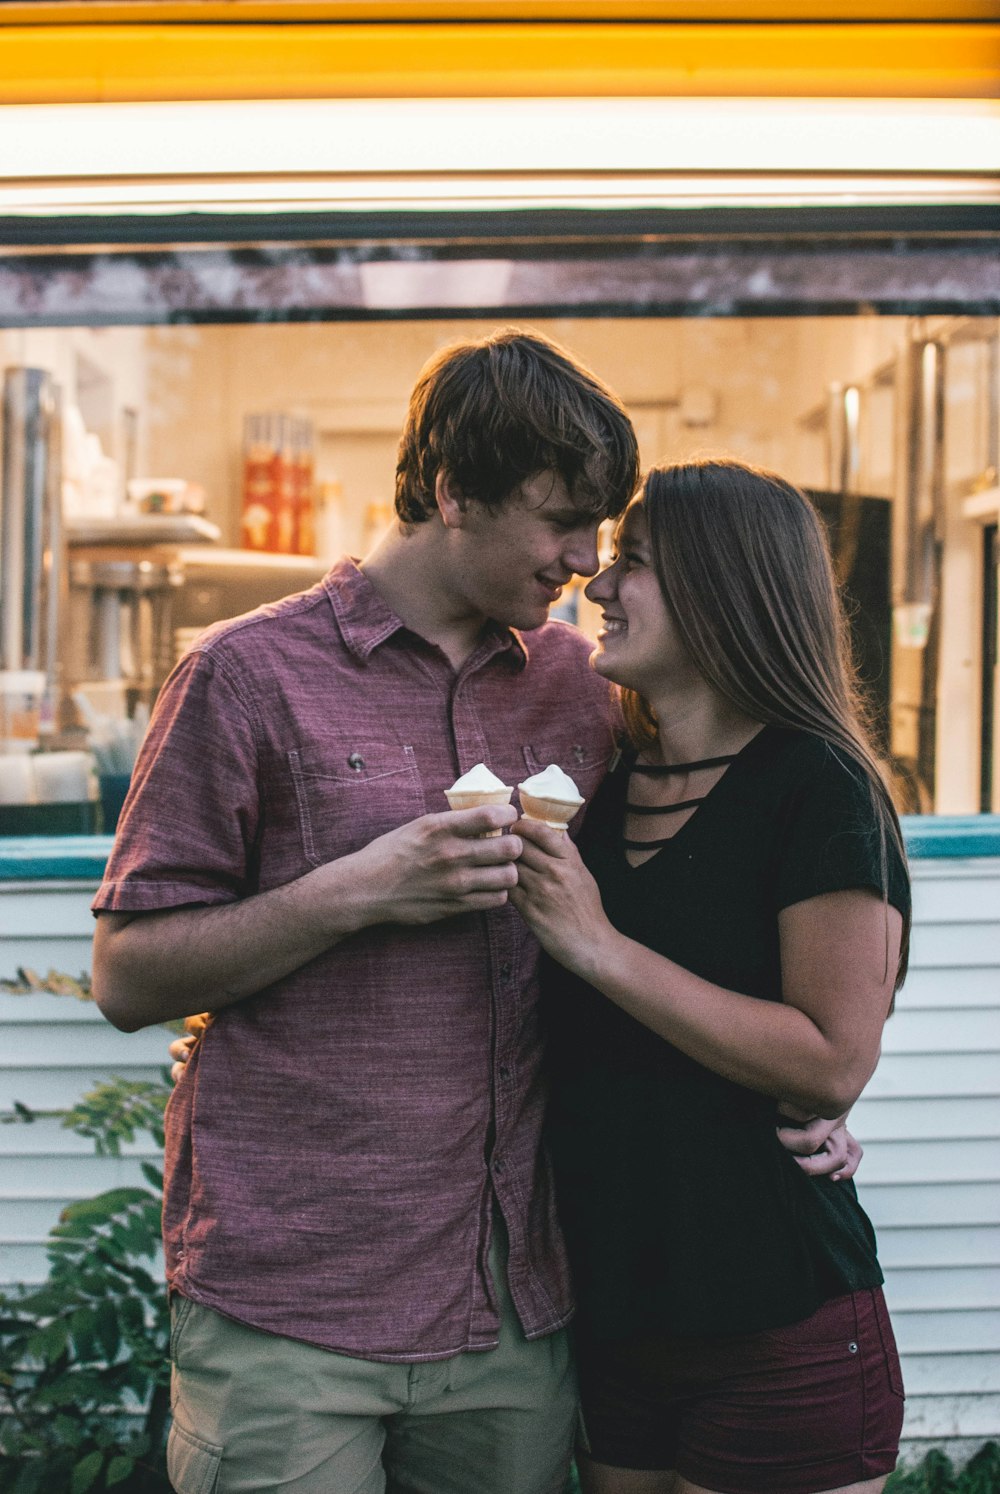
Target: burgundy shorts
795,1410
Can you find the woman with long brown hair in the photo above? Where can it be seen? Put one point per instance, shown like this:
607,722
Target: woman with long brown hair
730,931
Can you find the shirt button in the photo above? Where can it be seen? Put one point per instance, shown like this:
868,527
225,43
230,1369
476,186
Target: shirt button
356,761
852,1348
498,1166
505,971
505,1071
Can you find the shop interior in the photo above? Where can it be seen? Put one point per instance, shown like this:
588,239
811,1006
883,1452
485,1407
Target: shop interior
168,438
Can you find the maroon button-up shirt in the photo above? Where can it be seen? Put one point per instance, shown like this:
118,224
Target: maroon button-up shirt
337,1142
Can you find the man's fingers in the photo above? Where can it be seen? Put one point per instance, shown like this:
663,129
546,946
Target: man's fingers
504,849
474,822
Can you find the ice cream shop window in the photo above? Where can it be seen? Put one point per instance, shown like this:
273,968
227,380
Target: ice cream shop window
218,420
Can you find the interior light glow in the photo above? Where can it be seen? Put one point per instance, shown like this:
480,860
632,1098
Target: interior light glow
353,137
399,285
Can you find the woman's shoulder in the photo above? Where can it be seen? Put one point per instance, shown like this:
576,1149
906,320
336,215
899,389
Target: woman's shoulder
799,758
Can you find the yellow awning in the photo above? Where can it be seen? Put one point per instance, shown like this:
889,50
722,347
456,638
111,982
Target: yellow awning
175,51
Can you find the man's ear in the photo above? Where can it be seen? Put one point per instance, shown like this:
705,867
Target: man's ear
451,501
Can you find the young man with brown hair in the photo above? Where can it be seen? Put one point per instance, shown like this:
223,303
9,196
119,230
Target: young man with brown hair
357,1205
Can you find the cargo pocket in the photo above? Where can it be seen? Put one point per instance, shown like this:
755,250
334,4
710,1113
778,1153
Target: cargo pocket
192,1465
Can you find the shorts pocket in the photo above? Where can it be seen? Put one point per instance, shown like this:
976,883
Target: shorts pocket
892,1365
832,1326
192,1465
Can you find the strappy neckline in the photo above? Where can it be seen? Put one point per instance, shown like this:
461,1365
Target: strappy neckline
705,762
655,846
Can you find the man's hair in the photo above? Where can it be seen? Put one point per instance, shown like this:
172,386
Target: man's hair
494,413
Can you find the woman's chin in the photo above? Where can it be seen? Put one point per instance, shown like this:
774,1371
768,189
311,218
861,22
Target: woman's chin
602,665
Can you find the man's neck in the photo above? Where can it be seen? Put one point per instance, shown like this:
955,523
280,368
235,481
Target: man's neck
406,570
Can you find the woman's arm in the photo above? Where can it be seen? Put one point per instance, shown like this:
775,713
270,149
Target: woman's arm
816,1048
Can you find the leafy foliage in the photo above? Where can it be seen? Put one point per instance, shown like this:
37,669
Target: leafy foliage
84,1395
936,1475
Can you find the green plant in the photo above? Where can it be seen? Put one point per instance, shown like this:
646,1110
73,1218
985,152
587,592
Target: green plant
936,1475
84,1392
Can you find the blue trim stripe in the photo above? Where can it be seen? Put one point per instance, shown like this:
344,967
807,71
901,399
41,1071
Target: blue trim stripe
933,836
83,857
54,858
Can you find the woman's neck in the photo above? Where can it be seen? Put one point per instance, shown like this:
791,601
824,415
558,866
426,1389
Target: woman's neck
699,725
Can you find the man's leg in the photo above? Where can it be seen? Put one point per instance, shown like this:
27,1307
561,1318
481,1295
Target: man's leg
254,1413
497,1422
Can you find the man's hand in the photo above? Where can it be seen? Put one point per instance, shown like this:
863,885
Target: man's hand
822,1148
440,865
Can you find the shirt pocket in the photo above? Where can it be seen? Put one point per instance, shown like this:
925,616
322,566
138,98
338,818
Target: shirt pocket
585,763
354,793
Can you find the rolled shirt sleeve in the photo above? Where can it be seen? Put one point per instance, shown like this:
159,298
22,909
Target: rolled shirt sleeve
188,831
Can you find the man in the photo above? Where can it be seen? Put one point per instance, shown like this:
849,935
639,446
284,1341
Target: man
368,1283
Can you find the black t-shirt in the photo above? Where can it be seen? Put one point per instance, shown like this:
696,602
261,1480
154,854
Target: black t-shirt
683,1213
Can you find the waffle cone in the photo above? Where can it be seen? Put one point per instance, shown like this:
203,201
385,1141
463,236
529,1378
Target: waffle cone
554,812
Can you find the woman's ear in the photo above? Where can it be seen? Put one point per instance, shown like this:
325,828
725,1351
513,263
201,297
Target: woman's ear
450,499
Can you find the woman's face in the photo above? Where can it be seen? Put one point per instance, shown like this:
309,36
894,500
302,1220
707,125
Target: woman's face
638,645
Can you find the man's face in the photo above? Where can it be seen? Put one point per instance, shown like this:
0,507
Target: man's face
513,561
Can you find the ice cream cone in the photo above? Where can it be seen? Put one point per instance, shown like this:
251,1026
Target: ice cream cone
554,812
473,799
550,796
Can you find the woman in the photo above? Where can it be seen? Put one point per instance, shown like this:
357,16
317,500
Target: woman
731,930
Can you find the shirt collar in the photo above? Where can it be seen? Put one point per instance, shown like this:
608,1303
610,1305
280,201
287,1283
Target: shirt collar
366,621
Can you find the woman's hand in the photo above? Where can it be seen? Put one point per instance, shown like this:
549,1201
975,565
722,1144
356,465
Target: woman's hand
180,1051
822,1148
558,898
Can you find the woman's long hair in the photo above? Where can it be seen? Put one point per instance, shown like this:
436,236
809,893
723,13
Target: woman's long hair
743,563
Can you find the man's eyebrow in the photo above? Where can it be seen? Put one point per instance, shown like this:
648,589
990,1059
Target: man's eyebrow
570,514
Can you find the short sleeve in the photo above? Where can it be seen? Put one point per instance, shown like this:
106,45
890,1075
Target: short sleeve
831,838
189,825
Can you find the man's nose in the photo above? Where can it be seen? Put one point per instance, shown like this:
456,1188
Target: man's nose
581,555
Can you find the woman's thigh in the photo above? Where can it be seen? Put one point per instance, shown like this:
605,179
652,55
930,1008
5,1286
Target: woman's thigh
682,1486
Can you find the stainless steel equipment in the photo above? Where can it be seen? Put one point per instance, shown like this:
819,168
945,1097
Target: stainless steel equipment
135,609
31,570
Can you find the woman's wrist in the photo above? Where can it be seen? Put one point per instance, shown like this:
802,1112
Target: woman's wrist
599,961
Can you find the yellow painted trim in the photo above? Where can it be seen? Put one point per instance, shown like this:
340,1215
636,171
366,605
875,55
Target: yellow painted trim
102,12
80,64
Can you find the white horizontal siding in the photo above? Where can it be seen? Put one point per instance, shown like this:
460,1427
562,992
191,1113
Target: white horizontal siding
53,1049
930,1124
930,1179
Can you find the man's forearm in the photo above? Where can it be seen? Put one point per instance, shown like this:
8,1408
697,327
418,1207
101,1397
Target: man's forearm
153,967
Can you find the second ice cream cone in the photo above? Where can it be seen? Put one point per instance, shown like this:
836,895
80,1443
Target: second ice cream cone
554,812
550,796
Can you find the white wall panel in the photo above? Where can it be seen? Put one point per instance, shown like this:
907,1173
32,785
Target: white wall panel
930,1124
953,1116
943,1245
